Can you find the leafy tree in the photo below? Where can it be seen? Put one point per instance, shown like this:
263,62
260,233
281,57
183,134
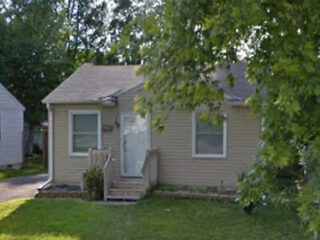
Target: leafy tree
32,59
184,40
32,56
125,30
122,15
42,41
86,29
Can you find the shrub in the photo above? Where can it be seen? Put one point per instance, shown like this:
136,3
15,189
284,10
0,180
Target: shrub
93,183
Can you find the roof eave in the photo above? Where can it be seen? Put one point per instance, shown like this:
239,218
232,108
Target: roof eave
237,104
70,101
20,106
117,93
235,101
135,88
108,101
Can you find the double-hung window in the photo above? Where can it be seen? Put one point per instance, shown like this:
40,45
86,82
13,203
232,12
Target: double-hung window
84,131
208,140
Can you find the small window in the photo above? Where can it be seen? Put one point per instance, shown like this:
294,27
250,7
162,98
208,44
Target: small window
209,140
84,132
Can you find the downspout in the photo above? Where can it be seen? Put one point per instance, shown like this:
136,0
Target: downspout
50,152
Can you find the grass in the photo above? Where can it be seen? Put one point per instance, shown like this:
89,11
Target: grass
173,188
28,168
154,218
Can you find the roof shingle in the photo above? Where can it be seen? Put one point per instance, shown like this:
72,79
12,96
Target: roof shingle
91,83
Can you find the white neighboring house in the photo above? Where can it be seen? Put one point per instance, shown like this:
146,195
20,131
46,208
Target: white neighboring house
11,130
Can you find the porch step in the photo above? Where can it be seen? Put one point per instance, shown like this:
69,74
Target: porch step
115,198
126,189
126,192
128,183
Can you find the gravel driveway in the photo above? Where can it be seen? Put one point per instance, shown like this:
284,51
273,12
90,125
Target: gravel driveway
20,187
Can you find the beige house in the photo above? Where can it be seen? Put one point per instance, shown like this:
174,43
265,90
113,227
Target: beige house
92,109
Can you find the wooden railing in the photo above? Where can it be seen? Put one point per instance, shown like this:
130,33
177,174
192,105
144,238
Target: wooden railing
150,170
108,174
103,159
98,158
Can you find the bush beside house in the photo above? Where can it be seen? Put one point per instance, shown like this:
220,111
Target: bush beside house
93,183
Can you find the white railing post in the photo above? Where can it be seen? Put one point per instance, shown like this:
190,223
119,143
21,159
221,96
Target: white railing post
103,159
150,169
97,158
108,173
90,158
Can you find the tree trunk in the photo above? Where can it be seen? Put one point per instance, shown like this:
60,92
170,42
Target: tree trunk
29,141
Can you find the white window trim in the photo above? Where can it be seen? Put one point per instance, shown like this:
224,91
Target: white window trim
75,112
199,155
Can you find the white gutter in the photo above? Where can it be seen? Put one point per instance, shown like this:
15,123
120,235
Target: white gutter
73,101
50,145
237,104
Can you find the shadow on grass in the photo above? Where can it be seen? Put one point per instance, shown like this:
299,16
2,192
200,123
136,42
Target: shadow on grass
25,180
54,219
154,218
28,168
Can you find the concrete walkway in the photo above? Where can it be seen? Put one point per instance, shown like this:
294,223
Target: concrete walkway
20,187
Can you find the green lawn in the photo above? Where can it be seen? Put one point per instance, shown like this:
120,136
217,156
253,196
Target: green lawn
154,218
28,168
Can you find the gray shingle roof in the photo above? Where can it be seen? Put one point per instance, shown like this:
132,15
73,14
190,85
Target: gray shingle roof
92,83
241,89
8,100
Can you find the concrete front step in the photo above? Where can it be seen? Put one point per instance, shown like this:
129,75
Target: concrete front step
126,189
122,198
129,180
126,192
128,183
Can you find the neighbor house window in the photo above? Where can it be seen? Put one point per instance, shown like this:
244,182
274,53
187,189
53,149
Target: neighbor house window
208,140
84,131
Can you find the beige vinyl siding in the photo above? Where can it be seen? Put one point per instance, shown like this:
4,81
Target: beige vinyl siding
67,169
110,116
176,164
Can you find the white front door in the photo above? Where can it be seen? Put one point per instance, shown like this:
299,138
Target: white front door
134,144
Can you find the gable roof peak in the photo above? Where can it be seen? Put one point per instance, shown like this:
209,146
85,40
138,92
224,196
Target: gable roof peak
14,100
